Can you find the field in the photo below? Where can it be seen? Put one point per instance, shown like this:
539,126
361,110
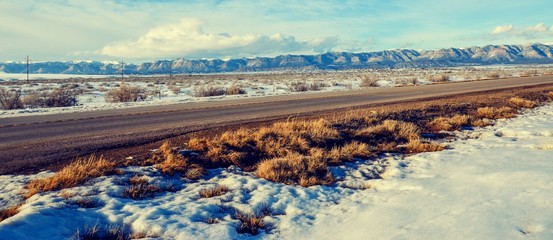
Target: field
97,93
394,170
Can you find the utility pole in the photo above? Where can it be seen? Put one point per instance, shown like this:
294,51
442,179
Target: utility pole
171,69
28,68
122,69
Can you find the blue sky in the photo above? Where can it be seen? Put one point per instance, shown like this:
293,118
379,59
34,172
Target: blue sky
144,30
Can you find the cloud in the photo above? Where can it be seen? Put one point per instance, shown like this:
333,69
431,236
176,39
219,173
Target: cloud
502,29
188,39
531,31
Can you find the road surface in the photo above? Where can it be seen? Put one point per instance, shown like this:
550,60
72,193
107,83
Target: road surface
35,142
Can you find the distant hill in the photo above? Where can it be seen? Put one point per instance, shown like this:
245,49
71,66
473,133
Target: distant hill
400,58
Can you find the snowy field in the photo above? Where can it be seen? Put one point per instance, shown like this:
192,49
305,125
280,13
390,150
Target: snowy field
494,183
161,90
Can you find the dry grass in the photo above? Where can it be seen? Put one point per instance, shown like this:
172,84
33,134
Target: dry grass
417,146
214,192
389,131
295,169
140,188
449,124
72,175
9,212
522,103
114,232
495,113
249,223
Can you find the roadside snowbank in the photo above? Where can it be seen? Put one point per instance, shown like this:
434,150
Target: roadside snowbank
497,183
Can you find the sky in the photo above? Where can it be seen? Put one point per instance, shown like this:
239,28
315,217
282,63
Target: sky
148,30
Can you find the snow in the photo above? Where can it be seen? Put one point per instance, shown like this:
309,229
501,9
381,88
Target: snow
494,183
255,85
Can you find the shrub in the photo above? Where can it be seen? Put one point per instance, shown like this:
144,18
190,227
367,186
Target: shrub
298,86
213,192
209,91
8,212
523,103
234,90
126,93
72,175
316,86
440,78
10,99
60,97
368,81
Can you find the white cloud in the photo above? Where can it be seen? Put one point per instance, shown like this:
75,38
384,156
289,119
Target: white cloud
188,39
502,29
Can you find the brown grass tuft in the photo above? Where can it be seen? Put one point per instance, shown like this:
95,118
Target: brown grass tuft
172,161
449,124
140,188
9,212
522,103
214,192
417,146
390,131
295,169
495,113
72,175
249,223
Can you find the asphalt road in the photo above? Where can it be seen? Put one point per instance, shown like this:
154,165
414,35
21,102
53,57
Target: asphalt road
34,142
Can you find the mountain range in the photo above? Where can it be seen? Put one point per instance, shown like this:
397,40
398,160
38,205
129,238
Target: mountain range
399,58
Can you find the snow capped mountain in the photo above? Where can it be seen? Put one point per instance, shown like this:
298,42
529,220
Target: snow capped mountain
491,54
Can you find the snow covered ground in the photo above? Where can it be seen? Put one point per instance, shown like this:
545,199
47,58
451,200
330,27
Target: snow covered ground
494,183
182,90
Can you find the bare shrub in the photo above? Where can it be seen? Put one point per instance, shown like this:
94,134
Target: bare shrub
126,93
209,91
493,75
72,175
316,86
175,89
8,212
213,192
440,78
368,81
60,97
234,90
298,86
522,103
10,99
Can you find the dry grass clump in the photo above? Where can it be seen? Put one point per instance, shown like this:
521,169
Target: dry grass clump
9,212
126,93
522,103
250,223
389,132
495,113
481,122
345,153
245,147
213,192
417,146
171,162
115,232
550,94
449,124
295,169
140,188
72,175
